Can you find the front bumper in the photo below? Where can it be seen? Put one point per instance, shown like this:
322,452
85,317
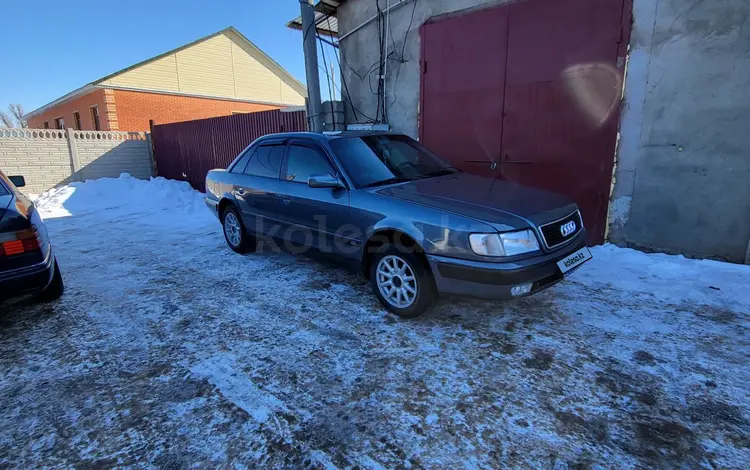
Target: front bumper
213,205
27,280
495,280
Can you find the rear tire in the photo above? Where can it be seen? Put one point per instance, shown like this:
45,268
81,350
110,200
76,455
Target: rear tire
234,232
55,289
401,281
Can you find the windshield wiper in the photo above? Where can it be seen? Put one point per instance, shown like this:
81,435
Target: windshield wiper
448,170
396,179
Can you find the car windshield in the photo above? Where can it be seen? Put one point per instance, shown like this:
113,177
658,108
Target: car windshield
381,159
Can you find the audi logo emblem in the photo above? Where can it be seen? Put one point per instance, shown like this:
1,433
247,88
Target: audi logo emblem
567,228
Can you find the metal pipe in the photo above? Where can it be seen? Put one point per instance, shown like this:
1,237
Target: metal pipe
385,66
309,33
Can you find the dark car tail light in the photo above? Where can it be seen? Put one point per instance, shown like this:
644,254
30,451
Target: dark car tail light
23,241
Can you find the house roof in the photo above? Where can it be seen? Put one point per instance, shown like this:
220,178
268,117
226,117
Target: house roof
261,56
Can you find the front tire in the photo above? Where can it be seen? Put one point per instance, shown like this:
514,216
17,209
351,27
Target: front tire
56,287
401,281
234,232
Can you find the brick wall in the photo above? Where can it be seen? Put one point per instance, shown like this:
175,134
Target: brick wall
47,158
65,110
135,108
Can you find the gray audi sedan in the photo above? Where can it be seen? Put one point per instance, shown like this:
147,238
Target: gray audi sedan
412,223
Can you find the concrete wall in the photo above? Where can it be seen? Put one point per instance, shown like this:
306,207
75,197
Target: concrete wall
361,51
116,153
43,161
682,180
47,158
683,171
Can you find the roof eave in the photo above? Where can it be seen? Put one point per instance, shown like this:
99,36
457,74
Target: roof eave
84,90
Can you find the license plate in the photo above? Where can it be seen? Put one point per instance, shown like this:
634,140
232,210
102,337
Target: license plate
574,260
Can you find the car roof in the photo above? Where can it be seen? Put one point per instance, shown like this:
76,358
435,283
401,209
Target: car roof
323,137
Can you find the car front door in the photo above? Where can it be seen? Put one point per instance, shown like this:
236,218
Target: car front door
314,217
256,187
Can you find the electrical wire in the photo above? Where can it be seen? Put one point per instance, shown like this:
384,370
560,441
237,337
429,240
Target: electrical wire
403,60
328,81
411,21
345,94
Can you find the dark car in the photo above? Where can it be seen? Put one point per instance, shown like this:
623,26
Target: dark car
27,263
412,223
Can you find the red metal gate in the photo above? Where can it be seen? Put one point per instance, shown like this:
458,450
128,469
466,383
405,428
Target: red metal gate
554,125
188,150
463,88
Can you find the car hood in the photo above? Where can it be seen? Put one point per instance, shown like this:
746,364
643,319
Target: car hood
504,204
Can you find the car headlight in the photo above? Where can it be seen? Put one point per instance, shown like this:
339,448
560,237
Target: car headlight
503,244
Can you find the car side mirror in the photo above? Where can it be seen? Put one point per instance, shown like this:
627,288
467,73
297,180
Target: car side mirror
18,181
324,181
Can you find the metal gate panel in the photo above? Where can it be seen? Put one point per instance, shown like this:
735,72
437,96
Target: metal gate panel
530,92
188,150
562,101
463,87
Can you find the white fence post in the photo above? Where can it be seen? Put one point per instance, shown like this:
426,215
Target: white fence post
75,164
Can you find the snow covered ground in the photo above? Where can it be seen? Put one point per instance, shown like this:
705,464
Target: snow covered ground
170,350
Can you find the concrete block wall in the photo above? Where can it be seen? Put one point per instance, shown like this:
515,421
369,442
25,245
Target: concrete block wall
333,121
42,157
110,156
682,172
48,158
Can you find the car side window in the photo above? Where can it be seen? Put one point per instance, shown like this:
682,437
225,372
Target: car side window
265,161
304,162
242,162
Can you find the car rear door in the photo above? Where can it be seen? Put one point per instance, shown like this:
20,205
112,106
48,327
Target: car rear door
314,217
256,185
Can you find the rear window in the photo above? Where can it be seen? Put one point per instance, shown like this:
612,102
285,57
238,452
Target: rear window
242,162
265,161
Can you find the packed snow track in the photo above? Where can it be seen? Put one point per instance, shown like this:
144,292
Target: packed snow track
169,350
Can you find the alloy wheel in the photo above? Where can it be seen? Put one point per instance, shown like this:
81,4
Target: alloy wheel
232,229
396,281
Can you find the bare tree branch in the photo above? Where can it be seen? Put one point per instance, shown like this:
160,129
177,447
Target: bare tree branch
16,111
6,121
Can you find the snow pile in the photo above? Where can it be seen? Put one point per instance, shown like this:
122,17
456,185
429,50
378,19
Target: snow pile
668,278
114,196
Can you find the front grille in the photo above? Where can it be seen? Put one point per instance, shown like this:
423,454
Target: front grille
553,235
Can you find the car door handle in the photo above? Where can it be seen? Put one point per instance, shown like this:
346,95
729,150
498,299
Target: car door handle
286,200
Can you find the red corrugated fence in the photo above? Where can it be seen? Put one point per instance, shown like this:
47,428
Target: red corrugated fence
188,150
